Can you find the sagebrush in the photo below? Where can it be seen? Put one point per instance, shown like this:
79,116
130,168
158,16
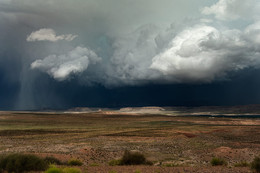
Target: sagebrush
22,163
131,158
218,161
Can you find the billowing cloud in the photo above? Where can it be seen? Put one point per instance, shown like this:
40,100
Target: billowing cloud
203,53
232,9
47,34
132,56
60,67
200,53
185,53
253,33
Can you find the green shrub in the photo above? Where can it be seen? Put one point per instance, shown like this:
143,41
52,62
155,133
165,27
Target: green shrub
71,170
75,162
52,160
22,163
112,171
255,165
242,164
54,169
134,158
114,162
218,161
94,164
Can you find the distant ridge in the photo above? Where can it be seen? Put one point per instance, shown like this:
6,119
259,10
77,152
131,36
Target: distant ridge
152,109
202,110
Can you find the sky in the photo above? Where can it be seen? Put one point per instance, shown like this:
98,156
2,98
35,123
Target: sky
59,54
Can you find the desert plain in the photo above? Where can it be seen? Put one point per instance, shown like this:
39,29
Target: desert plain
175,141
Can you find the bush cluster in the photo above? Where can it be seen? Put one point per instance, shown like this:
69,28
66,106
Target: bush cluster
75,162
52,161
255,165
114,162
18,163
22,163
131,158
218,161
242,164
54,169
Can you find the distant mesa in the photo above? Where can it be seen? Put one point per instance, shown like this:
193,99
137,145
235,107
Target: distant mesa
152,109
88,109
247,110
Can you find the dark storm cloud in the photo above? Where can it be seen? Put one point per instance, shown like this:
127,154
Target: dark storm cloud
202,52
107,44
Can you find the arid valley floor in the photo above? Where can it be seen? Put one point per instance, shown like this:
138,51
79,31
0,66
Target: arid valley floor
173,143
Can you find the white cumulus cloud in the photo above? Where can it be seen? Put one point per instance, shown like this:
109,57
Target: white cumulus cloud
203,53
232,9
60,67
47,34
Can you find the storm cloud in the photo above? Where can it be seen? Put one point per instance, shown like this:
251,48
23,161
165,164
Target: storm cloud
126,43
199,53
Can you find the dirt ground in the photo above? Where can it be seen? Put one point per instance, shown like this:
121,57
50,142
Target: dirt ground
172,143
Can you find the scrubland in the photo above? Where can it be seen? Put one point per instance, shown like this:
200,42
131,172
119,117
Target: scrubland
170,143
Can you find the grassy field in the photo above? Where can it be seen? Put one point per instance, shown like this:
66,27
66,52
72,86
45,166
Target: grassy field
97,138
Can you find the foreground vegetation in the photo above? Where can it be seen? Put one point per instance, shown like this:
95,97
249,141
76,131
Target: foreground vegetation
218,161
22,163
54,169
18,163
131,158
